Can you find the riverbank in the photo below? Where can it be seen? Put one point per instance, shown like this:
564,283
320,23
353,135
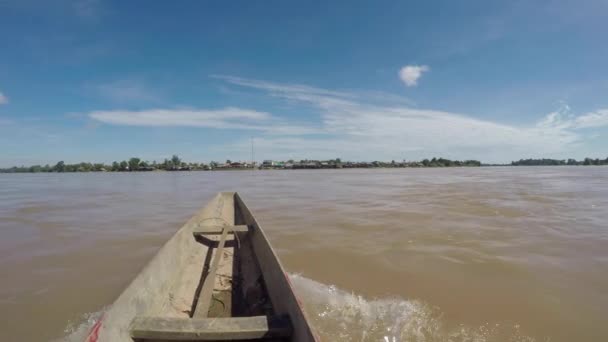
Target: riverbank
176,164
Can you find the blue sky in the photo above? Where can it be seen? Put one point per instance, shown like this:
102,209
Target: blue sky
98,80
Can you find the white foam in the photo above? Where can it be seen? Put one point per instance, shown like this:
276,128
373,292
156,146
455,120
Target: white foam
77,331
341,316
338,315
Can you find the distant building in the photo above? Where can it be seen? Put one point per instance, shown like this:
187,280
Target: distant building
267,164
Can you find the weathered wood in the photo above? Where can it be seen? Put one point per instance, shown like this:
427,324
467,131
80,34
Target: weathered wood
282,296
249,273
181,295
204,299
217,281
234,328
152,288
216,230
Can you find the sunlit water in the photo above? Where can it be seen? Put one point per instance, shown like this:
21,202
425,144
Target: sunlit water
471,254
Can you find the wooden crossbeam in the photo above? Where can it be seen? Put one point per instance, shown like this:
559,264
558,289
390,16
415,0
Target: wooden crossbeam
210,329
204,298
216,230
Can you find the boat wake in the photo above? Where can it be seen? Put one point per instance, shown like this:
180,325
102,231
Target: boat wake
337,315
77,331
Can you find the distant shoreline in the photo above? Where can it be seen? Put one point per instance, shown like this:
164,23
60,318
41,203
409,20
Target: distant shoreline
175,164
312,169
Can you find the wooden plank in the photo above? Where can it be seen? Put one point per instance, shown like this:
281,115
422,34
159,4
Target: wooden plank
234,328
204,299
216,230
179,301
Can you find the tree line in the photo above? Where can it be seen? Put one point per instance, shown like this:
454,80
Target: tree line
556,162
441,162
133,164
176,164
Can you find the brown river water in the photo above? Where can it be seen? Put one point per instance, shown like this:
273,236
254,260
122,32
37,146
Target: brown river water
458,254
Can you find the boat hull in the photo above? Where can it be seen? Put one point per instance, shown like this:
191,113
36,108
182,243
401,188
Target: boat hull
204,273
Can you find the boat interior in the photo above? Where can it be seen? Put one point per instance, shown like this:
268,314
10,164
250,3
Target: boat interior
230,285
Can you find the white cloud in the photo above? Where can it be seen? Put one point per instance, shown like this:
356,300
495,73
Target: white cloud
226,118
281,88
222,118
598,118
564,119
359,130
284,90
125,91
3,99
410,74
349,126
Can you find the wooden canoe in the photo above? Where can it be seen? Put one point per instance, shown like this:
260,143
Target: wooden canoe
216,279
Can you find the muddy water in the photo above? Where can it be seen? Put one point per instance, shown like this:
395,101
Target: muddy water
484,254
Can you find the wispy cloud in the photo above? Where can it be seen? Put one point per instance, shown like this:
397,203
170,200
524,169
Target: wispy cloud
598,118
344,124
410,74
226,118
3,99
563,119
278,89
297,92
222,118
126,91
82,9
359,130
87,9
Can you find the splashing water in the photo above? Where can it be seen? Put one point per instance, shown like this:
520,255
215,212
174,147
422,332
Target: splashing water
78,330
341,316
337,315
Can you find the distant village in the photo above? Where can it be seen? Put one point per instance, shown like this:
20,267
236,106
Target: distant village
176,164
338,164
331,164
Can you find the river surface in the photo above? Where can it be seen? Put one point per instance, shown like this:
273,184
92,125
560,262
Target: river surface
458,254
